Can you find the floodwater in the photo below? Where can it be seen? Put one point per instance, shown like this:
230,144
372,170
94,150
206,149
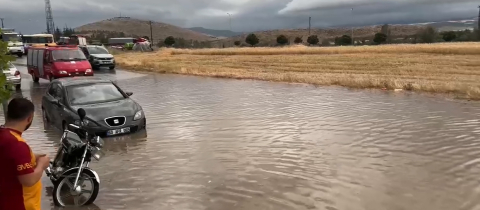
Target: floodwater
242,145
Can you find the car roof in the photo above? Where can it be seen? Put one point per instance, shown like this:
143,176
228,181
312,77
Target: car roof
69,81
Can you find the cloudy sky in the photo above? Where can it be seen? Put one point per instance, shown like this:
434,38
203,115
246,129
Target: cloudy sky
28,16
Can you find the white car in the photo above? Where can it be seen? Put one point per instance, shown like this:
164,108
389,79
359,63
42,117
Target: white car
13,76
16,48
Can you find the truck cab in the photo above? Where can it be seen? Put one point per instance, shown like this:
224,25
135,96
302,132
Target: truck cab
15,44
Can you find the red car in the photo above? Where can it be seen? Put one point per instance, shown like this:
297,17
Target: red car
52,61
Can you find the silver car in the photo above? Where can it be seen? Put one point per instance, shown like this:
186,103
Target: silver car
13,76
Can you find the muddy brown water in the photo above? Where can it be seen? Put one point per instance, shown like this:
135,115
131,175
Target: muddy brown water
232,144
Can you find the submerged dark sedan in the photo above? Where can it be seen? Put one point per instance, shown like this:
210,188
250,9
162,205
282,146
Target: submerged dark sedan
110,110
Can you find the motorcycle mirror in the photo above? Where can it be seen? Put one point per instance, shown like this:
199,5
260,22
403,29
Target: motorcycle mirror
81,113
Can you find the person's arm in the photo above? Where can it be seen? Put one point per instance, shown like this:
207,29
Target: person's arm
27,173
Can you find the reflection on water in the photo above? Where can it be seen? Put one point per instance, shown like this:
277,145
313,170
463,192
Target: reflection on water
228,144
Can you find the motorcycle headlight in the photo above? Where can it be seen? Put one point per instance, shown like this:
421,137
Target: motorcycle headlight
138,115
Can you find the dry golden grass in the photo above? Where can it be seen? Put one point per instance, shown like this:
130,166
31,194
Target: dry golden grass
437,68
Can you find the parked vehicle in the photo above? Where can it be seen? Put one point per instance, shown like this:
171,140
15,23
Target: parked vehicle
14,41
120,41
13,75
51,62
35,39
98,56
73,40
74,183
110,110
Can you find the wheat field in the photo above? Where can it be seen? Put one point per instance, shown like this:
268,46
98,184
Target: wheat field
447,68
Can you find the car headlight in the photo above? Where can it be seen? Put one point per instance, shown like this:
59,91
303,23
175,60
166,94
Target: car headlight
138,115
85,122
63,72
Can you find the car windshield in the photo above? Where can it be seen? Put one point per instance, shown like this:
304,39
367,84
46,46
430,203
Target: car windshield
93,93
97,50
68,55
10,37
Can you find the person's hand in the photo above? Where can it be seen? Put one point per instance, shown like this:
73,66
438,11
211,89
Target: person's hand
43,162
39,155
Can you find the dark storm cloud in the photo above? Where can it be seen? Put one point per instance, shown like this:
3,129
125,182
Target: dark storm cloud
28,16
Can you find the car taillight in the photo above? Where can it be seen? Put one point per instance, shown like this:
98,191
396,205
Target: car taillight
17,73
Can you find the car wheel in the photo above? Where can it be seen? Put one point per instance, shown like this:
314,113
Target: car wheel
111,67
34,78
51,78
18,86
20,55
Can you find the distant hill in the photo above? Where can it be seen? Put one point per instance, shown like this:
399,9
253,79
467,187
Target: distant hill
454,25
131,26
216,33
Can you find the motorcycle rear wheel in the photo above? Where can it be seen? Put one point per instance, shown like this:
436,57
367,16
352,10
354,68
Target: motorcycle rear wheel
67,180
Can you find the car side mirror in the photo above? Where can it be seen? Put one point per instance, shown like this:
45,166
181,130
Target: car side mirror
129,93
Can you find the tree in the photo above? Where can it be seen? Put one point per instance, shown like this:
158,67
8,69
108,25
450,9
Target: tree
298,40
169,41
57,33
427,35
5,87
449,36
343,40
313,40
282,40
380,38
237,43
252,39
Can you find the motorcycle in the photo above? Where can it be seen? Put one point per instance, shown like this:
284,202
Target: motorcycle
74,182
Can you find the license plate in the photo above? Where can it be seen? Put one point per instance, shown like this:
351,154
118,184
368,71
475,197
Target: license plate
118,131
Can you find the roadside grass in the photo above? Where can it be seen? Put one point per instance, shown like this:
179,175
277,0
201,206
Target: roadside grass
448,68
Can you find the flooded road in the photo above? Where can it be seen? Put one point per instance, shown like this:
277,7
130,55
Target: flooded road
244,145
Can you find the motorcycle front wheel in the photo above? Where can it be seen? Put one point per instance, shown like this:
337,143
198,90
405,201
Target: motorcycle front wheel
65,195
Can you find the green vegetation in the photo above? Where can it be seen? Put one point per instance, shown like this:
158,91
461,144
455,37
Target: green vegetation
343,40
449,36
282,40
5,87
169,41
252,40
298,40
313,40
380,38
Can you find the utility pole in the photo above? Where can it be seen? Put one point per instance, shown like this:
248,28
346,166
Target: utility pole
478,20
309,24
230,20
151,33
353,42
2,22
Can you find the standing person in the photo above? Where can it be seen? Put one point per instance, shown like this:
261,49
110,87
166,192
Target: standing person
20,169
